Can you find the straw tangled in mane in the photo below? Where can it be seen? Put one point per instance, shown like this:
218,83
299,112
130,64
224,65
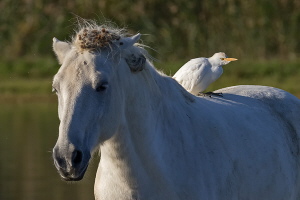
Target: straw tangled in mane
94,37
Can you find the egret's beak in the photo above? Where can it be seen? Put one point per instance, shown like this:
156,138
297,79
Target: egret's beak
230,59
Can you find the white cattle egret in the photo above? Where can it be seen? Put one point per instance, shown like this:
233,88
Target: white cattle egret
197,74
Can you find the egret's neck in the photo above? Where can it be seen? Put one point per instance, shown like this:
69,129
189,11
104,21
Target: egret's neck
215,62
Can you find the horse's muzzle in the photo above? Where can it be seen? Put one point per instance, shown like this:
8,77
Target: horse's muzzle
71,165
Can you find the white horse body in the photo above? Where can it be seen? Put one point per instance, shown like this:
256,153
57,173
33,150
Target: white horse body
157,141
234,147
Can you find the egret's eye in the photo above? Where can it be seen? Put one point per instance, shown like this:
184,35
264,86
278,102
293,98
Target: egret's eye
222,58
102,87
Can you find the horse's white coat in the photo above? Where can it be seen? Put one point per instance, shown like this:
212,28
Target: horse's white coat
157,141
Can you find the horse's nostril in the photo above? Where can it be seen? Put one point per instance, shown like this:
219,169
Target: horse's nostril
59,162
76,157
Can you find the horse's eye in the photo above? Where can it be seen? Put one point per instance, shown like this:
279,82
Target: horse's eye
102,87
54,90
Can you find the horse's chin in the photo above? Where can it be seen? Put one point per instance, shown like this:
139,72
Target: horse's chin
74,176
71,179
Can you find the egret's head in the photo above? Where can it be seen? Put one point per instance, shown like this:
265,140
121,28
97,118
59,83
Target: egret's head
222,59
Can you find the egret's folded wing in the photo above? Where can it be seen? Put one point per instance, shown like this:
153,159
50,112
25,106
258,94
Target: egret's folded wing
191,74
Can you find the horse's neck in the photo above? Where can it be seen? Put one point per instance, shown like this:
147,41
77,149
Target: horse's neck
132,145
129,160
133,155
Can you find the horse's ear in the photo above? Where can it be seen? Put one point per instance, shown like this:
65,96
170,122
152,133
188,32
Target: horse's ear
135,60
126,42
136,63
60,49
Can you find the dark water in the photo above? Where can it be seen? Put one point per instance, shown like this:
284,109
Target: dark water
28,133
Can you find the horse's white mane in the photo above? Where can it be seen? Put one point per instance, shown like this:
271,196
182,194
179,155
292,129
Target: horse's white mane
93,37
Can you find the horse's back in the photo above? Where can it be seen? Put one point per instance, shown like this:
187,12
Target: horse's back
283,104
253,132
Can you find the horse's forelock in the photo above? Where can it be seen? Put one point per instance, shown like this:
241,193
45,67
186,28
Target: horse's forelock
93,37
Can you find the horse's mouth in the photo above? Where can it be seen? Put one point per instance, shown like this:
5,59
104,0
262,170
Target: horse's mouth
76,176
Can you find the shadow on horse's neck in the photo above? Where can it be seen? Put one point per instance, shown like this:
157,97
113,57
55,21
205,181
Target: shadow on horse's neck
156,89
152,98
134,153
157,100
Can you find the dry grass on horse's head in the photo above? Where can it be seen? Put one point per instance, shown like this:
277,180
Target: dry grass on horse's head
95,39
91,36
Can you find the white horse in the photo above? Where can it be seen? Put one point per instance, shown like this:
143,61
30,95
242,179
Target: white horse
157,141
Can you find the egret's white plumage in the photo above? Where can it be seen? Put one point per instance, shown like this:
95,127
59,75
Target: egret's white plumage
197,74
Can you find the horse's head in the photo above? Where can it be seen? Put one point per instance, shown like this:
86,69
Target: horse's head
90,99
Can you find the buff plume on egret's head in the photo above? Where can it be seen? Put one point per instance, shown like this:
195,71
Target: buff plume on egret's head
221,58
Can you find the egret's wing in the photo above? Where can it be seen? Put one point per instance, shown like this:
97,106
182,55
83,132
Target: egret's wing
191,74
188,68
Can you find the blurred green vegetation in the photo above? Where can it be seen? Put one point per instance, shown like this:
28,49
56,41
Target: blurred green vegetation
262,34
178,28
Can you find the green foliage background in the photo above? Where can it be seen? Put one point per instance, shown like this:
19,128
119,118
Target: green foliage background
262,34
178,28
